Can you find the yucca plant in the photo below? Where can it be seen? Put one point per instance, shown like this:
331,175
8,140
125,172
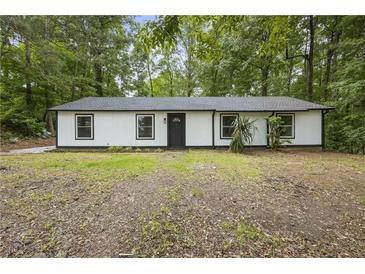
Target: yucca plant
242,134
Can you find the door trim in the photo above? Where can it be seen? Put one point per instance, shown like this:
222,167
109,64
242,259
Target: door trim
168,129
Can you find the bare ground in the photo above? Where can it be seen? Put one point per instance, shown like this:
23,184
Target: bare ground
27,143
183,204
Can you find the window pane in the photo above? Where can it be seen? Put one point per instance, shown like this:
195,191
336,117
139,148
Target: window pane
228,131
84,132
84,121
228,120
145,132
287,120
145,120
287,131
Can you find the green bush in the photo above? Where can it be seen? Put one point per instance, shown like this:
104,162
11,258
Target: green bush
242,134
275,131
21,123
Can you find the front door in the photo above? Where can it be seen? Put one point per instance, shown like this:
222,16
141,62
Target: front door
176,129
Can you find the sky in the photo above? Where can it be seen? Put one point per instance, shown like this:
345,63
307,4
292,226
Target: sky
145,18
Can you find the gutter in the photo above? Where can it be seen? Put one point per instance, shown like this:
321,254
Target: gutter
323,145
267,129
213,141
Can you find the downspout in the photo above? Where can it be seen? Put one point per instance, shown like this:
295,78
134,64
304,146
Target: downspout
213,116
56,129
323,129
267,130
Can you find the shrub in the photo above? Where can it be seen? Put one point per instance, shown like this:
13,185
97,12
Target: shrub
242,134
22,124
275,130
116,149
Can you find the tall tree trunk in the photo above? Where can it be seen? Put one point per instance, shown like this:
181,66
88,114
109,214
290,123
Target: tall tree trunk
171,76
290,75
214,80
73,87
50,123
171,79
47,117
264,77
28,84
189,76
331,56
310,59
189,64
98,79
150,75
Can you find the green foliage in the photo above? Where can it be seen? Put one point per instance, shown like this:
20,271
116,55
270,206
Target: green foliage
197,192
242,134
21,123
116,149
50,60
275,131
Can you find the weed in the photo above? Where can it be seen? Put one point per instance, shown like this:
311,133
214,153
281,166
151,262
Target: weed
197,192
115,149
49,225
247,232
38,197
160,233
174,195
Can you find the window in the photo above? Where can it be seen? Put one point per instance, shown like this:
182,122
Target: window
145,126
84,126
227,127
287,125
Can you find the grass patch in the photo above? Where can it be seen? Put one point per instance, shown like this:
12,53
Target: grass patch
244,232
159,234
362,200
96,166
197,192
174,195
41,197
358,165
227,165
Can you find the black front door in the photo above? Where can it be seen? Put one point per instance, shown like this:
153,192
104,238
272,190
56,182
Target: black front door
176,129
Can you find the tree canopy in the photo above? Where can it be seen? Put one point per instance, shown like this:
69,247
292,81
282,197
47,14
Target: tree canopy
50,60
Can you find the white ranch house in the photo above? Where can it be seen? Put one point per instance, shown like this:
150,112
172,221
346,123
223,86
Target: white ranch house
183,121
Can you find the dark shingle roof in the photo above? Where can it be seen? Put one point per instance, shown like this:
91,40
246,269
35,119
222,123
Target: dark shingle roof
254,103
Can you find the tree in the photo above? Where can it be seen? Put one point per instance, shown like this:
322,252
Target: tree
50,60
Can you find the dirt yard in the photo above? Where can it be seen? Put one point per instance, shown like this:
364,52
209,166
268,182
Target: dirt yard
27,143
197,203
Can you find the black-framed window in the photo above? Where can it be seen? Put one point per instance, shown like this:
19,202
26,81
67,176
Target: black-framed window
145,126
227,125
288,125
84,126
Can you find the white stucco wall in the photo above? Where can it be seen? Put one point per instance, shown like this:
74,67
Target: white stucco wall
308,128
119,129
259,134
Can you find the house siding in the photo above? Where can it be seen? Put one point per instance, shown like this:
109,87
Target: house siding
114,128
259,138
